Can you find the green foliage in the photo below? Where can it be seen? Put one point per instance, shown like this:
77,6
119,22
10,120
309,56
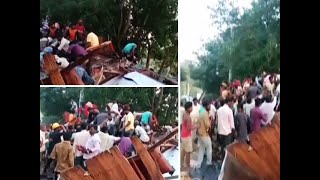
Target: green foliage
151,24
163,101
52,119
249,45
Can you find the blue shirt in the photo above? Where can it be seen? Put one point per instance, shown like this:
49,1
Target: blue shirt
129,48
145,117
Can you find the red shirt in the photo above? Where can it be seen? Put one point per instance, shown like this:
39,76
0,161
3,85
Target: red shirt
80,28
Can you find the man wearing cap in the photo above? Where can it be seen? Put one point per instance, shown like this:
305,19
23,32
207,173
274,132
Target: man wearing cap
54,138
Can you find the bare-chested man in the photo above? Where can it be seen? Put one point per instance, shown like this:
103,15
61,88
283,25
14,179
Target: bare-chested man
186,138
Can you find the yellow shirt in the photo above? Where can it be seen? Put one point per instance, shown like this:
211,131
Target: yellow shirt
203,124
93,39
130,118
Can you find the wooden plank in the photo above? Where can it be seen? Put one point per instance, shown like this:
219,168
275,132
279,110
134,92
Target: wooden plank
251,160
264,159
266,150
147,160
76,173
52,69
124,165
113,168
233,168
170,135
71,77
96,169
136,169
159,143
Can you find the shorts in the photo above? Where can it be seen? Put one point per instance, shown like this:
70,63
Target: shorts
186,144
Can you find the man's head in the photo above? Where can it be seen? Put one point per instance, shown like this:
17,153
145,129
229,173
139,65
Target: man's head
206,104
268,99
56,126
195,101
43,127
258,102
249,100
175,124
53,26
126,109
90,109
240,107
78,128
84,126
109,116
67,136
92,129
229,101
80,21
70,128
104,129
136,123
188,106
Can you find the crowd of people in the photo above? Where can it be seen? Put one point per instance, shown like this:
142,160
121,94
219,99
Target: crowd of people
240,110
71,42
87,131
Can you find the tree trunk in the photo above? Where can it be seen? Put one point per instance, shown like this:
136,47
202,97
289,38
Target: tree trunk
148,55
162,66
153,100
158,103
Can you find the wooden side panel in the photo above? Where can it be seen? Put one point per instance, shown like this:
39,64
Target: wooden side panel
147,160
76,173
52,69
136,169
124,166
264,159
96,169
71,77
251,160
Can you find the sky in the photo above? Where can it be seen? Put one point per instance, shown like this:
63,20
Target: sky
195,26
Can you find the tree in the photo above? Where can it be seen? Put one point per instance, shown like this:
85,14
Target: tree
249,43
162,101
152,24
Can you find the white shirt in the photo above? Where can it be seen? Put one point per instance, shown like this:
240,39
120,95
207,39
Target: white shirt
212,111
107,141
225,120
114,108
64,62
64,44
247,107
110,122
93,144
267,110
43,140
142,134
80,139
148,129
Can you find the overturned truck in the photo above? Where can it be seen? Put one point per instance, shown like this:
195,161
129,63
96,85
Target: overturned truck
109,70
146,165
261,163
